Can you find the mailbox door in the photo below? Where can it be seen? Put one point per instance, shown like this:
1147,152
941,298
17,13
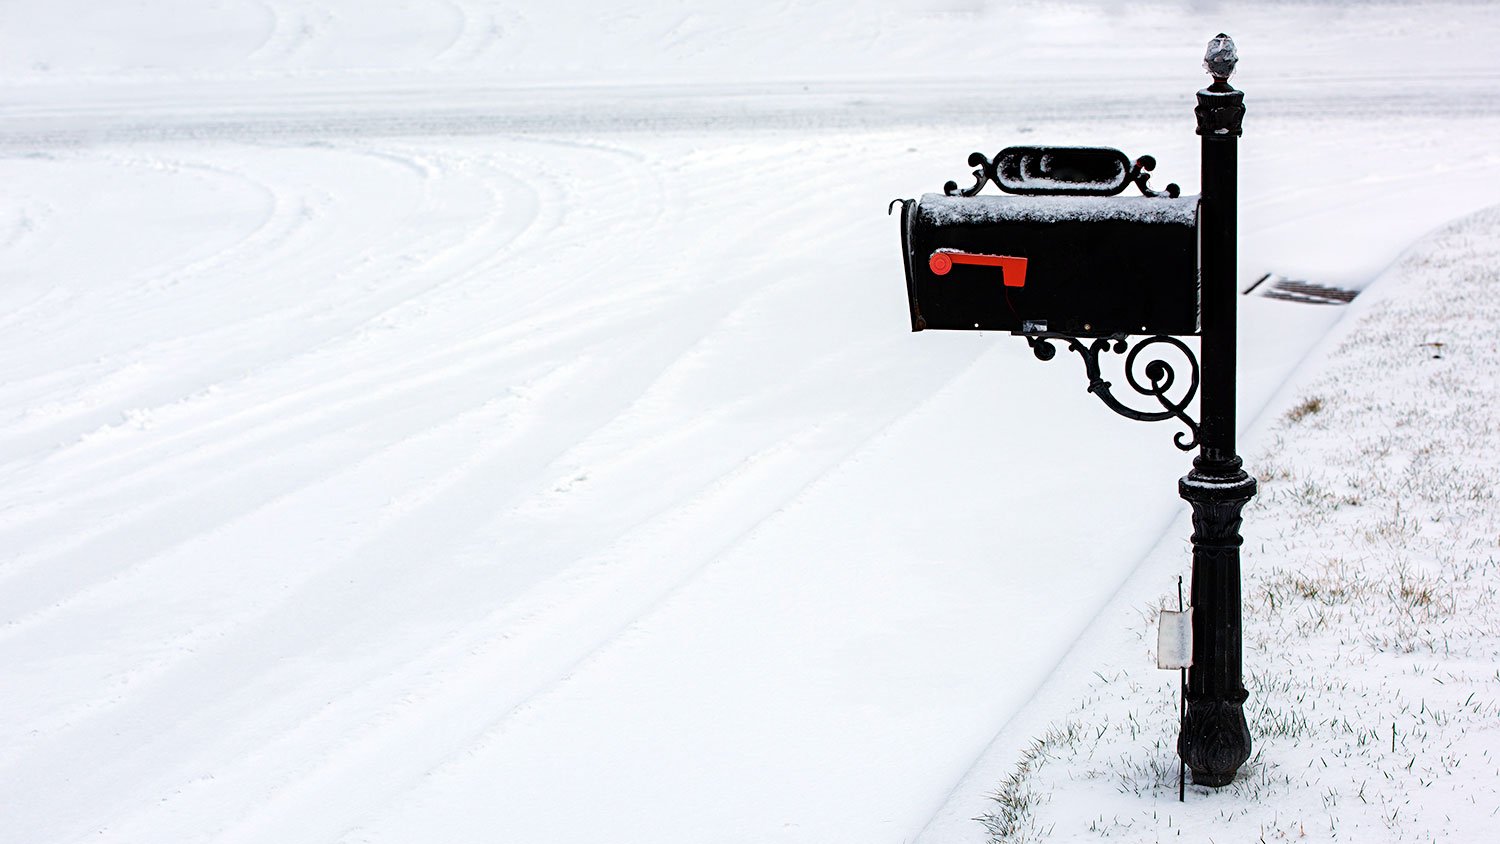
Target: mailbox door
1086,266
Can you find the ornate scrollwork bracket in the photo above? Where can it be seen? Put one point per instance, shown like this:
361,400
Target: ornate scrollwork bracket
1159,374
1140,174
1061,171
982,176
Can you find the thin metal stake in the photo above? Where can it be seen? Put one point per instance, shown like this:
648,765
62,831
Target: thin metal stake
1181,713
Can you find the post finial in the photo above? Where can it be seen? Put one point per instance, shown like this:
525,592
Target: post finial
1221,58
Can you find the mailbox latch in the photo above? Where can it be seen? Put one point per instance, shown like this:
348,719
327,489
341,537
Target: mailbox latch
1013,270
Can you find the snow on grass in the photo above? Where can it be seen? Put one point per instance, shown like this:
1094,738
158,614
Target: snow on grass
1372,634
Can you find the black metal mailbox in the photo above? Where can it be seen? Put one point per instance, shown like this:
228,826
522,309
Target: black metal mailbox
1089,266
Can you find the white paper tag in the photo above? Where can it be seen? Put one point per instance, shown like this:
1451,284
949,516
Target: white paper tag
1174,639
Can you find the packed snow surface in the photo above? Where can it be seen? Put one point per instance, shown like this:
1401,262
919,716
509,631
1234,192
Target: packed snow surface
437,421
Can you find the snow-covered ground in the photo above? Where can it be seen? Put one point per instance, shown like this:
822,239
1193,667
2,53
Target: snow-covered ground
443,421
1372,628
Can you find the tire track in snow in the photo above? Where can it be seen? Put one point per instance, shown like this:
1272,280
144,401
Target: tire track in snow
151,525
603,645
481,32
672,359
287,35
535,627
209,332
133,477
272,27
267,324
454,699
504,420
329,397
637,620
169,172
134,302
425,697
328,34
470,660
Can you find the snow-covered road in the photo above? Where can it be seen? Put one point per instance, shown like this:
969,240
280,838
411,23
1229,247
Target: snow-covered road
388,460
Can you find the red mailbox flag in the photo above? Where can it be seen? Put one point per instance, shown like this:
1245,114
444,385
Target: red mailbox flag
1012,270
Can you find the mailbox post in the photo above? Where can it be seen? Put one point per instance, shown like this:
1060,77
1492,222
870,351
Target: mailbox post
1066,260
1215,739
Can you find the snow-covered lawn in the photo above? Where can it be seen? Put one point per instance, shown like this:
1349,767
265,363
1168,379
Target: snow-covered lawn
445,421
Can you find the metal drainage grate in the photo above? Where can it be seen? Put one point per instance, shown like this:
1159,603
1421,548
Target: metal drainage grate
1272,286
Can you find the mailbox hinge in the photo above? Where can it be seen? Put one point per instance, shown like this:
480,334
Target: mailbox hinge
1158,371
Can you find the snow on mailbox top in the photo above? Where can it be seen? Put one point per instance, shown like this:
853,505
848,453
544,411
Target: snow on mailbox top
940,210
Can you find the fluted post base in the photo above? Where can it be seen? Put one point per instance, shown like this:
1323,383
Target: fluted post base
1215,738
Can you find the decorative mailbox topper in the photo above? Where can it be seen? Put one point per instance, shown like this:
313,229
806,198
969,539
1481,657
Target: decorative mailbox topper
1065,259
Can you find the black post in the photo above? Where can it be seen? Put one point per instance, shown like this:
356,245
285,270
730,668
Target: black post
1215,738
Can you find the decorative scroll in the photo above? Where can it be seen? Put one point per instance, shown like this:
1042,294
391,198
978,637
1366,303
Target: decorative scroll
985,174
1060,171
1158,371
1141,173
